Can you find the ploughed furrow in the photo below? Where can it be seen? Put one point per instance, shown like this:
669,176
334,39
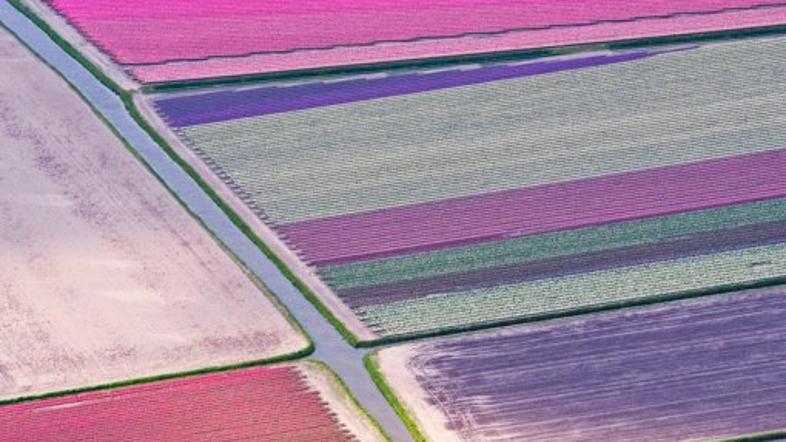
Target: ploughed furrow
266,404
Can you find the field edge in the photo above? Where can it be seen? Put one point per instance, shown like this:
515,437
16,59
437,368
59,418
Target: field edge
343,388
372,367
775,435
285,358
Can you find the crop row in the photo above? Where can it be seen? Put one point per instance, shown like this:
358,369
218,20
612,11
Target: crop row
566,244
227,105
576,293
542,209
504,135
264,404
503,200
147,36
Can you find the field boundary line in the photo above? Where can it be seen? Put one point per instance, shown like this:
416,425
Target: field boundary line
370,362
757,437
343,388
453,60
277,360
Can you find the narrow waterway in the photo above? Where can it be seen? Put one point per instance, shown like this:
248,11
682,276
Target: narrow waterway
330,346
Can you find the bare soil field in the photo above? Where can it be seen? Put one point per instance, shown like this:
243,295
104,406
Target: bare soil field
103,275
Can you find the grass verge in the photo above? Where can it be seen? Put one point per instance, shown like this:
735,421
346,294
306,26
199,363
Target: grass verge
370,362
128,102
758,437
342,386
162,377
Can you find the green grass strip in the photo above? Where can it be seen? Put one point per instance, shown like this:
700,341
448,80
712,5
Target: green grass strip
372,366
758,437
162,377
346,390
128,101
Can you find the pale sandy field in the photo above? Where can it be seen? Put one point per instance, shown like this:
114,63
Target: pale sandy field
86,48
103,275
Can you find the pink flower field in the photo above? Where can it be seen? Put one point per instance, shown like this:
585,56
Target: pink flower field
186,40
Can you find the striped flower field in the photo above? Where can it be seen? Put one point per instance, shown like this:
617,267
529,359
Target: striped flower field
703,369
455,199
509,220
280,403
146,37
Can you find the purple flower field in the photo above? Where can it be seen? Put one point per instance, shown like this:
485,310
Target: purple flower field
705,368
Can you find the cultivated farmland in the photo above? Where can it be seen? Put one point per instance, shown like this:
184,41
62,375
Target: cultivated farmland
706,368
438,201
104,277
145,38
300,402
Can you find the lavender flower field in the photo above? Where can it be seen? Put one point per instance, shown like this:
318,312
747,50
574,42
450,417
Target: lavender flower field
709,368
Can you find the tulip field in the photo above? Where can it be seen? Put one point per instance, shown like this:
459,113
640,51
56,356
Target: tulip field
278,403
706,369
393,221
145,38
457,199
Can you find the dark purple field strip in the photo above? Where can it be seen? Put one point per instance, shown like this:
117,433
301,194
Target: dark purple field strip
701,244
228,105
539,209
704,368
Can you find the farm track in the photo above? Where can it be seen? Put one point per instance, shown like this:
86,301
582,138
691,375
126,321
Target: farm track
330,346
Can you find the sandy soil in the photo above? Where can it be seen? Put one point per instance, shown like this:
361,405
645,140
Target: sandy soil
262,230
103,275
394,364
326,383
72,36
